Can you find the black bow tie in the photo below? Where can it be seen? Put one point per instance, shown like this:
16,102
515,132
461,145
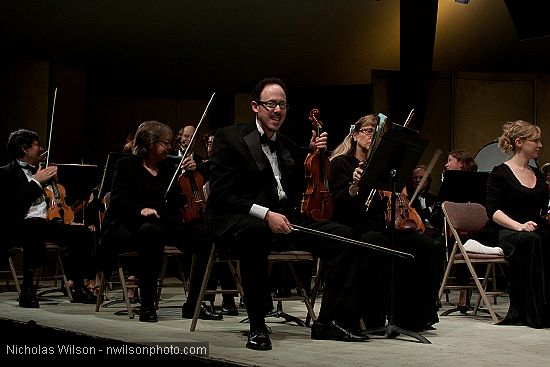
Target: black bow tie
30,168
272,144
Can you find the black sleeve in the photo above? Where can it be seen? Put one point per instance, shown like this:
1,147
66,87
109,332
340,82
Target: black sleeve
496,191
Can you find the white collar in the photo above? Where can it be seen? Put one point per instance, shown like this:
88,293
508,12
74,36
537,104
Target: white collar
261,131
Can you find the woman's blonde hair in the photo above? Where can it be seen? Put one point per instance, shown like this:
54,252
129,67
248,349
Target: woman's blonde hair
518,129
149,133
348,145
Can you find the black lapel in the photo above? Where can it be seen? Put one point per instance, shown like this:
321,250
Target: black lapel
252,140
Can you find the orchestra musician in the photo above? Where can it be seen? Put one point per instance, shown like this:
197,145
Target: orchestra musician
184,139
254,205
416,281
425,200
204,166
26,220
457,160
142,219
460,160
516,197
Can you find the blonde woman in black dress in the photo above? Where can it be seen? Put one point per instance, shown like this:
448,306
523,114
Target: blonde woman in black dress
517,197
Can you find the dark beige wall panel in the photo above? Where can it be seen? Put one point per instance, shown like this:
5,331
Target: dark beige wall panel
483,102
110,120
437,124
68,134
158,109
23,99
543,115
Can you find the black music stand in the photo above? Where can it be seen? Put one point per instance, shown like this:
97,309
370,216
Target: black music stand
78,179
464,187
388,168
107,179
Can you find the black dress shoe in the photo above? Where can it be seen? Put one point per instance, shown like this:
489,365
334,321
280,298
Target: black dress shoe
148,315
205,313
27,298
258,339
333,331
230,309
83,295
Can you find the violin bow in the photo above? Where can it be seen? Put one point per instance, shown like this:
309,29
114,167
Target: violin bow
404,255
191,143
409,118
51,129
435,157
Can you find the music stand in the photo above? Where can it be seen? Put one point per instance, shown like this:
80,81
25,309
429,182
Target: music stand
388,168
464,187
78,179
107,179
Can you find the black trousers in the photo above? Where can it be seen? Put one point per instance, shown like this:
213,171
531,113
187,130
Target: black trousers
415,282
149,239
80,261
254,241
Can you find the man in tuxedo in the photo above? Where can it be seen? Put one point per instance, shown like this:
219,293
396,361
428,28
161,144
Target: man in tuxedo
253,205
28,226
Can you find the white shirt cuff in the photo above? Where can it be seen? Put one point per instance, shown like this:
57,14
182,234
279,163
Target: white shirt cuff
258,211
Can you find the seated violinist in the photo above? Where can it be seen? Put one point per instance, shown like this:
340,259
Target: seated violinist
416,281
27,221
144,216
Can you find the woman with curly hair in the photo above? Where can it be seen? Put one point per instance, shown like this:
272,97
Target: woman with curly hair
517,195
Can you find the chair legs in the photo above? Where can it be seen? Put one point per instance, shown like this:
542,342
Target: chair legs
103,284
125,286
279,313
204,284
316,288
166,256
59,269
14,275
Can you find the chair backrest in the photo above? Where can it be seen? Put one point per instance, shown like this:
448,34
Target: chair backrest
465,217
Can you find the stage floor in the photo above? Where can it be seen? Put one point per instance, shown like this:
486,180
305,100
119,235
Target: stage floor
457,341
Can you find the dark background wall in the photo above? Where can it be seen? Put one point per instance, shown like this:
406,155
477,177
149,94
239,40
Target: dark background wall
116,64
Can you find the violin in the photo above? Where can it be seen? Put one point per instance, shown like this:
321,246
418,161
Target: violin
317,199
191,183
58,210
406,216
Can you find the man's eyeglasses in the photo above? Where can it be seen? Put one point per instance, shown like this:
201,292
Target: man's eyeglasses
272,104
367,131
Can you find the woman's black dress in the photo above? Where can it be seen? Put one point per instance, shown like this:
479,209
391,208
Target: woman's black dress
528,253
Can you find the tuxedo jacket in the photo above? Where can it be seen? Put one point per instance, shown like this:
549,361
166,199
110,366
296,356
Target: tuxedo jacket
18,196
241,175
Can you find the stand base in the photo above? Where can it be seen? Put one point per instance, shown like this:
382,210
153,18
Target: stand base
393,331
279,313
287,317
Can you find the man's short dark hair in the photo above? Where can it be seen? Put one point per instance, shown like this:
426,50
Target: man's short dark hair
259,87
20,140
